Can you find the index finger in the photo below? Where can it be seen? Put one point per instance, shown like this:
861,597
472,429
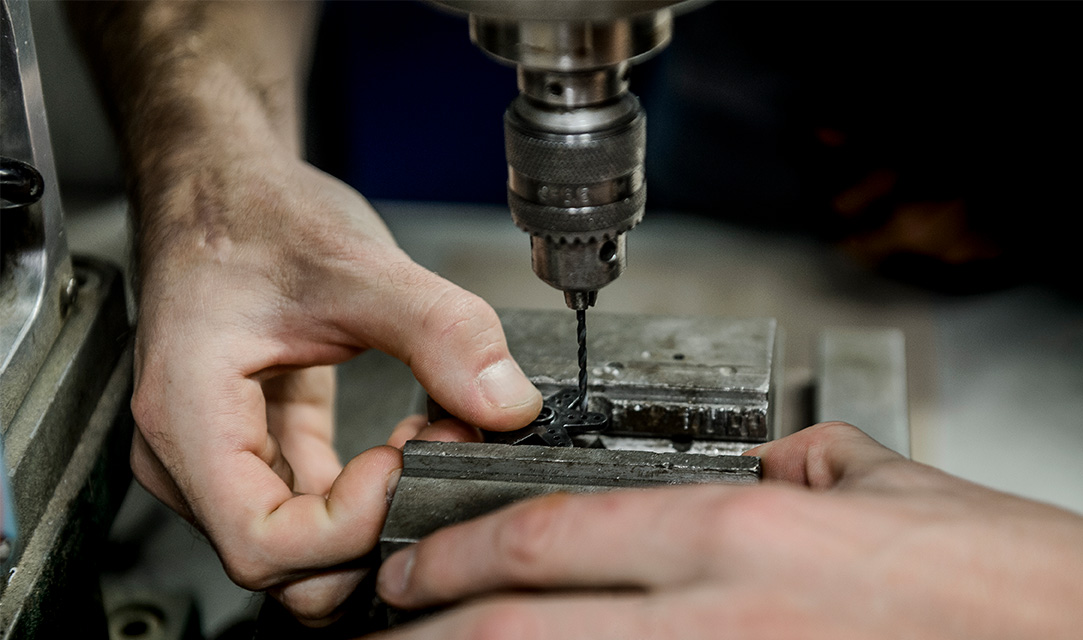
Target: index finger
263,531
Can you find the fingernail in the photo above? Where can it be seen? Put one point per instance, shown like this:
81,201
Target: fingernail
504,385
395,573
393,483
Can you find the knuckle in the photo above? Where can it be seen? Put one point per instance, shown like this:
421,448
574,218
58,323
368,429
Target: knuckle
826,432
245,562
503,620
246,572
308,609
307,605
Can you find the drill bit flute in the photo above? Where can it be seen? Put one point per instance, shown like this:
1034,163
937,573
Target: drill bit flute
581,335
564,415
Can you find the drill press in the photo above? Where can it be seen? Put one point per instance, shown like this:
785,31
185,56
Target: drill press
575,137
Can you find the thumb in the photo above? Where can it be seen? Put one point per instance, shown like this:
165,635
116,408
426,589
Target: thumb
454,344
822,456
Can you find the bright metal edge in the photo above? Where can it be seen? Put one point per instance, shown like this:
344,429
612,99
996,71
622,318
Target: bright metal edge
51,266
558,10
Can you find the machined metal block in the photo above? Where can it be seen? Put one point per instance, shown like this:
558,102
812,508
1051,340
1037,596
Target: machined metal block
444,483
683,378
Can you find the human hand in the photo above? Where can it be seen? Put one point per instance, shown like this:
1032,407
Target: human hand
844,539
257,272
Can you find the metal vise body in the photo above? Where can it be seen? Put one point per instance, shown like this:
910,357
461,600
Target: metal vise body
683,398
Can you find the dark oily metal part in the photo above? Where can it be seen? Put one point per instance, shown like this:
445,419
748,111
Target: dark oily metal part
444,483
573,89
20,184
581,340
587,224
576,183
579,146
150,614
580,195
662,376
559,420
581,300
579,269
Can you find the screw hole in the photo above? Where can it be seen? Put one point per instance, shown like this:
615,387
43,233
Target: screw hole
608,252
678,356
135,629
555,89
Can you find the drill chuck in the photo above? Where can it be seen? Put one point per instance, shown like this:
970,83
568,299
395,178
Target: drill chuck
575,137
576,184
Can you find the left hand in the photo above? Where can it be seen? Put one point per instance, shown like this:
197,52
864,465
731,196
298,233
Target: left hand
844,539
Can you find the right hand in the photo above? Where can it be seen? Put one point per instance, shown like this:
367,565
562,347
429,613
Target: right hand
844,539
257,272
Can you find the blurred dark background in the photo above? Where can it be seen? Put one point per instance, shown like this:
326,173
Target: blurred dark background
938,142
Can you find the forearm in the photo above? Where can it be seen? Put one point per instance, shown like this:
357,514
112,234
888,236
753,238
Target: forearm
184,78
206,99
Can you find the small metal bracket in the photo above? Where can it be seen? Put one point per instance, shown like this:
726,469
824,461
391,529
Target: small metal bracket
560,419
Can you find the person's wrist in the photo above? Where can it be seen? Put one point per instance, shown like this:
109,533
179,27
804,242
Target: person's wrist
204,175
207,112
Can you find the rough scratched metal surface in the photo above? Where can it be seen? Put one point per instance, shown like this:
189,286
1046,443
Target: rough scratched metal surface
444,483
701,378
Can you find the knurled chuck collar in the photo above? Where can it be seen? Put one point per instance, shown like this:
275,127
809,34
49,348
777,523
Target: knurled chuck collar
576,184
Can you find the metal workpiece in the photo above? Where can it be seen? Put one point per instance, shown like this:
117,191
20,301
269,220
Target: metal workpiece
683,382
443,483
559,421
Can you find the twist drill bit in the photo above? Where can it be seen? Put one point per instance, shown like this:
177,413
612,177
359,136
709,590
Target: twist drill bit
581,335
